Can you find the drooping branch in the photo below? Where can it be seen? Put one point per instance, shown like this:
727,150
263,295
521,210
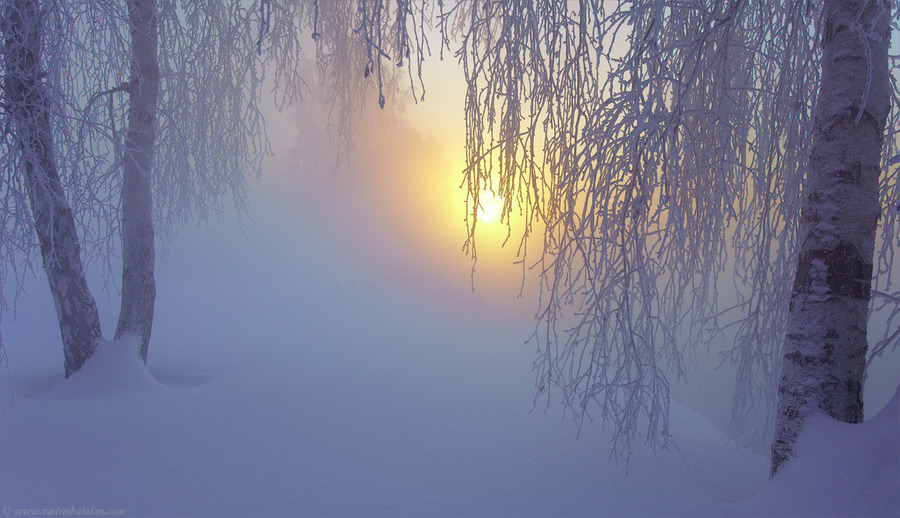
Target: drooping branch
361,46
658,148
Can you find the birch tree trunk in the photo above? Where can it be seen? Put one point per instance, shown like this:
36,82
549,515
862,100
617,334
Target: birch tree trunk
825,347
29,106
138,254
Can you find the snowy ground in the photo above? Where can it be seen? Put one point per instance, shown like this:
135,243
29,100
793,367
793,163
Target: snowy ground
283,382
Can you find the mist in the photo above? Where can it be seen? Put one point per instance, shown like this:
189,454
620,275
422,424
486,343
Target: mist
333,353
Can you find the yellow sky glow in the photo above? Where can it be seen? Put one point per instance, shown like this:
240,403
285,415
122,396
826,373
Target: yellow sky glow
490,207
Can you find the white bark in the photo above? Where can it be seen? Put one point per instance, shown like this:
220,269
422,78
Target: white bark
825,346
138,252
29,111
190,109
657,149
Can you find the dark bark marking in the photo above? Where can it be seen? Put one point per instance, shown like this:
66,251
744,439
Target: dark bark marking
848,274
851,175
804,360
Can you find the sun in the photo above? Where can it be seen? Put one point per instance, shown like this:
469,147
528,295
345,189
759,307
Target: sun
491,207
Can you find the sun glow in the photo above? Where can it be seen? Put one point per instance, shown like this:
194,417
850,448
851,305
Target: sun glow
490,207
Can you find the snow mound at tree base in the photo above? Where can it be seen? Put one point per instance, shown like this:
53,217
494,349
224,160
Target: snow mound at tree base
114,369
840,470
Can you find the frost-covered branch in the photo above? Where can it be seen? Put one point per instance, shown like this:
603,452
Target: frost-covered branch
362,45
211,135
105,178
658,149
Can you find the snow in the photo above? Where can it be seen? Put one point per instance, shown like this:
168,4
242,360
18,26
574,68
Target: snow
840,470
819,288
115,370
283,381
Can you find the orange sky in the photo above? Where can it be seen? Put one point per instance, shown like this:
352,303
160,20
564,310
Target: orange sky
401,206
400,209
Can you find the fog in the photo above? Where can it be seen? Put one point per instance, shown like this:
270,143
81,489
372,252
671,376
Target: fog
332,353
394,217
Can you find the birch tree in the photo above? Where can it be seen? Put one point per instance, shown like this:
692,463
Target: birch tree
138,250
127,118
93,91
826,341
28,133
659,153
